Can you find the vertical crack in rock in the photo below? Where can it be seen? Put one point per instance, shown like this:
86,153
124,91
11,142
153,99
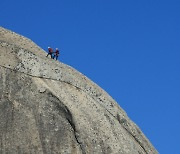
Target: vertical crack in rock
69,118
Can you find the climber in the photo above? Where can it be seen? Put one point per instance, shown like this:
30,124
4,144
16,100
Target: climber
56,54
50,52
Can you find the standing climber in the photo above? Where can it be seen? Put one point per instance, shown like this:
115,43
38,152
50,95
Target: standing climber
56,54
50,52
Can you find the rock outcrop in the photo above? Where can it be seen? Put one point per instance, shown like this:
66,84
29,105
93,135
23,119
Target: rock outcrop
47,107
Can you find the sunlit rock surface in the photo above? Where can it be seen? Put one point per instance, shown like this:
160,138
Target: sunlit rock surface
47,107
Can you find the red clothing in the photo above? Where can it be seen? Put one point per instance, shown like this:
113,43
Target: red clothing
50,50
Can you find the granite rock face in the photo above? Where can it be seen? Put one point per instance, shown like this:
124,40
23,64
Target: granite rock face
47,107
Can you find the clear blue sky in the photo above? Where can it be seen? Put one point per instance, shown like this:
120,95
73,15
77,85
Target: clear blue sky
129,48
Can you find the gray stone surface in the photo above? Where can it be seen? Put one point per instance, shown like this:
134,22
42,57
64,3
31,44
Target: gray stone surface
47,107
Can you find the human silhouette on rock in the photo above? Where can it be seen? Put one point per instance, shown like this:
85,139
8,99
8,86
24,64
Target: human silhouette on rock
50,52
56,54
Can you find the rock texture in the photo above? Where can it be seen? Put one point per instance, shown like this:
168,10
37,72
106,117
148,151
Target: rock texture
47,107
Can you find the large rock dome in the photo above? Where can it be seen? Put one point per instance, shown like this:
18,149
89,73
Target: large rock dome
47,107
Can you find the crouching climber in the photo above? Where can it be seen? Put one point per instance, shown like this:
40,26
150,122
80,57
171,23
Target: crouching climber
56,54
50,52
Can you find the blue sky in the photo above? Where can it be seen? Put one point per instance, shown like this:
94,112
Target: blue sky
129,48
